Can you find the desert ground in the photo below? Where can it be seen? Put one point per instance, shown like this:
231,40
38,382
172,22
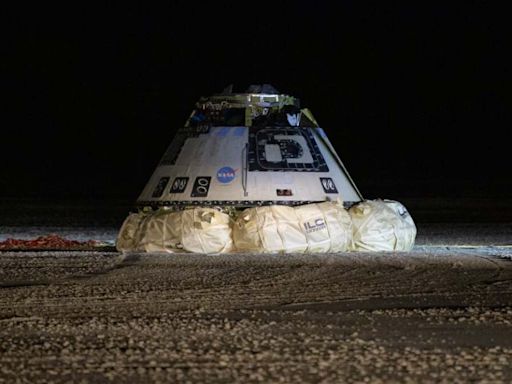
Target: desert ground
440,313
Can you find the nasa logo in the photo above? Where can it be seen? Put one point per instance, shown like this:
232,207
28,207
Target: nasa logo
226,175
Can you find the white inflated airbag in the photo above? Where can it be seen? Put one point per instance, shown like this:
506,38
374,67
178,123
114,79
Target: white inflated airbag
382,225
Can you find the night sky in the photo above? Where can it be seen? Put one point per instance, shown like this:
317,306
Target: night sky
412,96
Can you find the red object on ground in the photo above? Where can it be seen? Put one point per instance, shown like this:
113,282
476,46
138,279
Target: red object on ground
46,242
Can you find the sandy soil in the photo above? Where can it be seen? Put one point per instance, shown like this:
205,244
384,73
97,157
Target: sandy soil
437,314
442,313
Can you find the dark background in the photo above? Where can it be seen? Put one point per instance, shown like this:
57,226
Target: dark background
413,96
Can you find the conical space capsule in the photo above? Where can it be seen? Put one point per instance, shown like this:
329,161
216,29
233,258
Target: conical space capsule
249,149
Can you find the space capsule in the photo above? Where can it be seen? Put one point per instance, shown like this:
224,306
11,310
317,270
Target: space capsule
249,149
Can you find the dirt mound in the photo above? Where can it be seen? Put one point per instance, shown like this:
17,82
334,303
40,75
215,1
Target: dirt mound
47,242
